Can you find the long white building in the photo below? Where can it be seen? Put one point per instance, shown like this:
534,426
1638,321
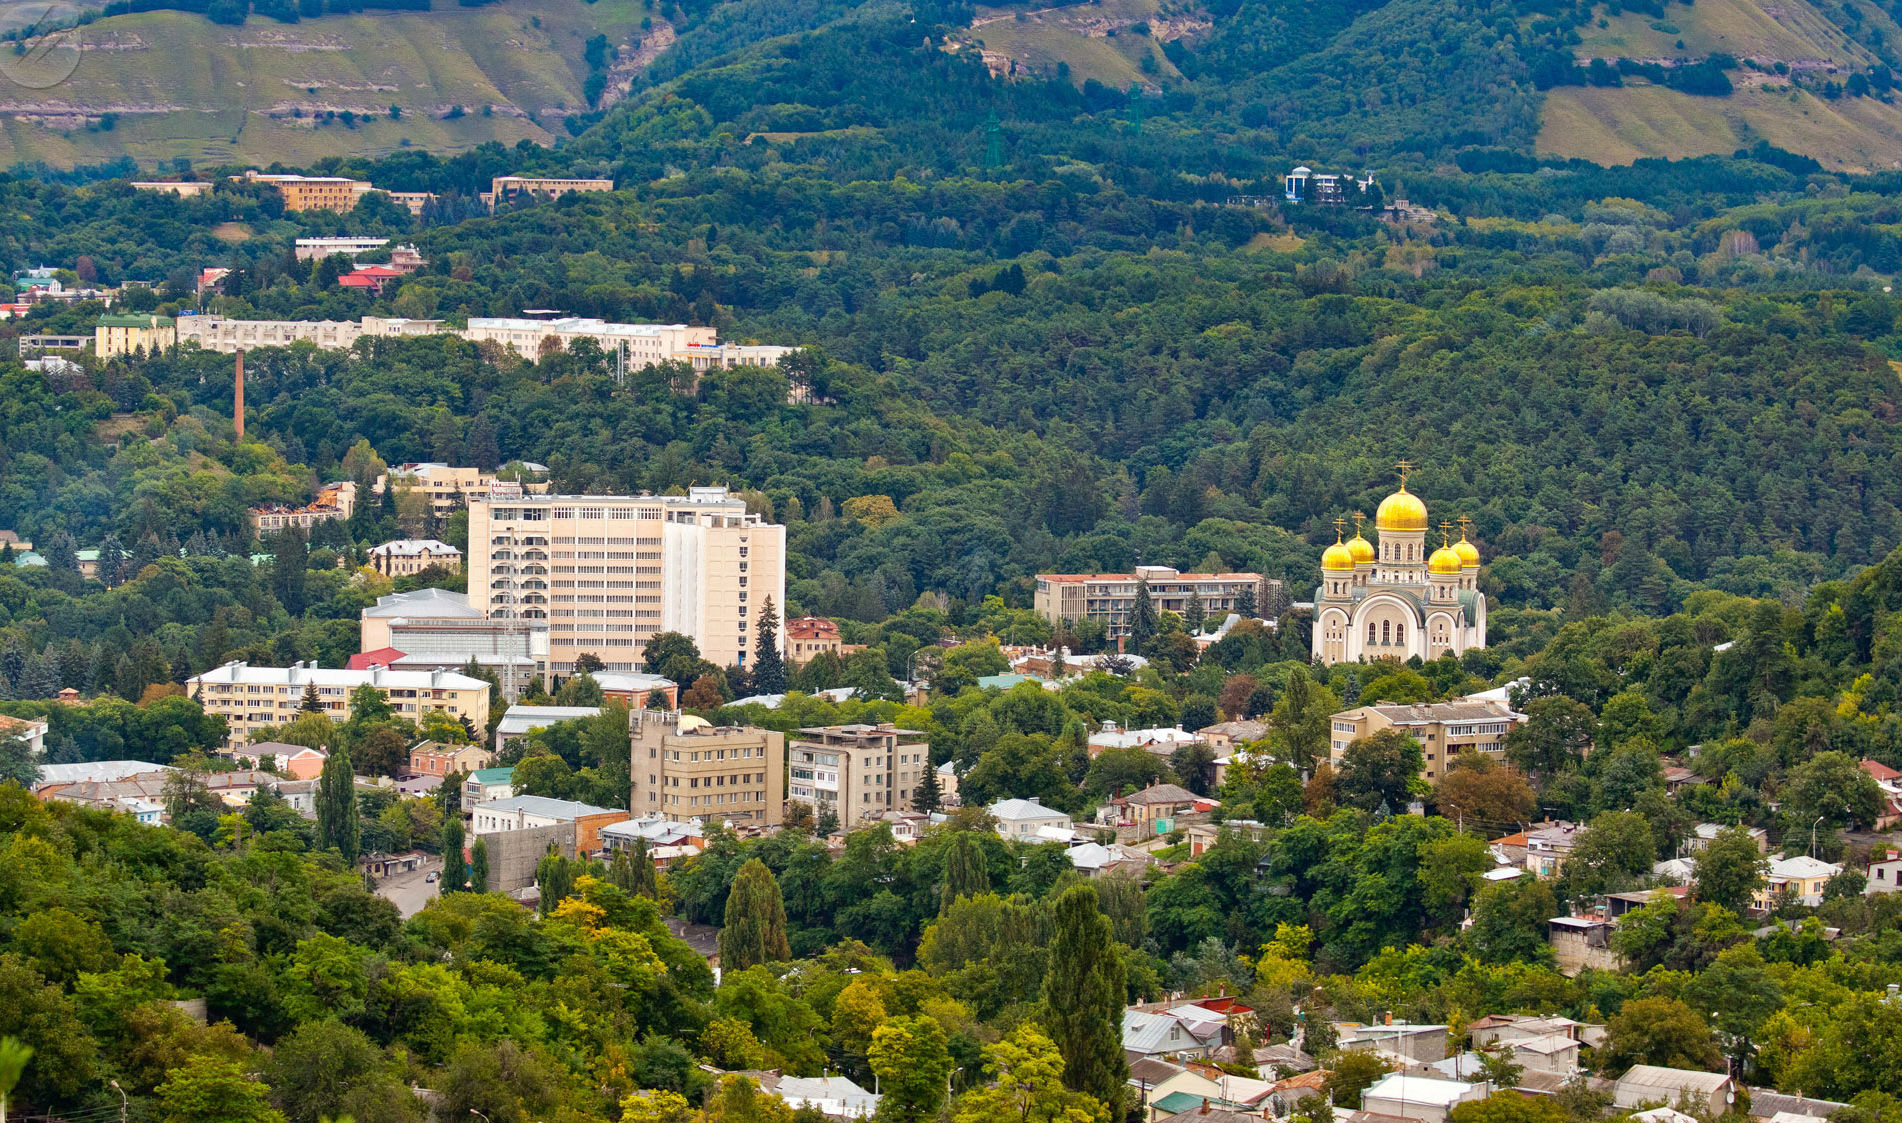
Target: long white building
645,344
252,697
217,333
608,572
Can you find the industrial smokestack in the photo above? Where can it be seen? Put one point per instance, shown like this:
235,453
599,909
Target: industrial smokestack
237,400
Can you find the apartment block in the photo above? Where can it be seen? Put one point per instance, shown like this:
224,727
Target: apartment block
447,487
217,333
310,249
858,772
133,334
685,767
643,344
1108,597
252,698
506,188
314,192
1444,730
608,572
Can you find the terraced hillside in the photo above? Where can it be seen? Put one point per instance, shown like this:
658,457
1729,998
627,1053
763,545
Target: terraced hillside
1788,40
158,85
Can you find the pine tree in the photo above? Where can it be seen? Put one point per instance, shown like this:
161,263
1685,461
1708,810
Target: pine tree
311,704
479,866
455,874
755,930
61,553
1245,605
1083,990
338,824
964,872
1195,613
484,453
290,563
111,560
769,669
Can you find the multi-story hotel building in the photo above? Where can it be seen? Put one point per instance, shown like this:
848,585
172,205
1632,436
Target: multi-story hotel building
252,698
608,572
858,772
1444,730
217,333
644,344
142,333
684,767
504,188
405,556
1108,596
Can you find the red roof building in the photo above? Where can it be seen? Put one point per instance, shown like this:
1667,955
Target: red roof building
381,657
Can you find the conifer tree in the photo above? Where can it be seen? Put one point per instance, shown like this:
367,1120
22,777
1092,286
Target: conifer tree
1245,603
1083,991
646,878
338,824
1142,618
769,668
755,930
621,872
455,875
1195,613
964,872
311,704
929,797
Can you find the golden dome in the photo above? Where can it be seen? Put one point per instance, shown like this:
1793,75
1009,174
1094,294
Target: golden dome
1361,549
1445,561
1469,553
1337,559
1401,511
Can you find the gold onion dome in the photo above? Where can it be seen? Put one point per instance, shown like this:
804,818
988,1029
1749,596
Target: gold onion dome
1361,550
1469,553
1445,561
1337,558
1401,511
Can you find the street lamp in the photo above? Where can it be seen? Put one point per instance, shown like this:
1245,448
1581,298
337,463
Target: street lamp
122,1099
1813,826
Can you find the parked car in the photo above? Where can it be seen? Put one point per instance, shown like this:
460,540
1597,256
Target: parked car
432,876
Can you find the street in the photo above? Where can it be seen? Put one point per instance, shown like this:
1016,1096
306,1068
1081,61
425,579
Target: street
409,892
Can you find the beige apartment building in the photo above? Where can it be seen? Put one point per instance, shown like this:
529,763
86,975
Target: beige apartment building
133,334
684,767
858,772
314,192
607,572
1444,730
643,344
252,698
503,188
446,487
1108,597
406,556
217,333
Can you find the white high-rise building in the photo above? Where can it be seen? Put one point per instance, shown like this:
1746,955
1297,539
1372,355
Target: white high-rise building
608,572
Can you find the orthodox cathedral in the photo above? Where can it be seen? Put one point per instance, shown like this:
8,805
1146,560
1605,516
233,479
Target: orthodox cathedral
1396,600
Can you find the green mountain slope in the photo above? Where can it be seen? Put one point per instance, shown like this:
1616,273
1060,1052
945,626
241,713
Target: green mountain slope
159,85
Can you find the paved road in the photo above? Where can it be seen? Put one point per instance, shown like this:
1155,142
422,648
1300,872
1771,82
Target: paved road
410,891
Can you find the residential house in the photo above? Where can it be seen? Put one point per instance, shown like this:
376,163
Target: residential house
1419,1098
1505,1028
1767,1105
1548,847
1890,781
487,784
1161,741
1181,1031
32,730
1801,878
432,758
1093,859
667,841
807,636
1885,872
948,785
637,688
835,1097
1225,736
1579,942
1154,810
1712,1093
1028,820
1703,833
295,762
1204,836
520,721
1411,1040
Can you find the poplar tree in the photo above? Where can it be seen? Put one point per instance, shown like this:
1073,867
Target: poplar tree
1083,991
455,875
755,930
964,872
769,668
338,824
646,878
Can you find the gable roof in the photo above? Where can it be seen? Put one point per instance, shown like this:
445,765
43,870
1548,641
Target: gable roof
1007,809
1158,794
546,807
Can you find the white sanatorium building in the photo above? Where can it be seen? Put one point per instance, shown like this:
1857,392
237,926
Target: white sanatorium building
608,572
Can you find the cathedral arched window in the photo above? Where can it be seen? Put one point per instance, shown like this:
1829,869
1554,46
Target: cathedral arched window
1371,634
1400,634
1386,633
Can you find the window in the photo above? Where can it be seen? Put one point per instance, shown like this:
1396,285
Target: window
1386,633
